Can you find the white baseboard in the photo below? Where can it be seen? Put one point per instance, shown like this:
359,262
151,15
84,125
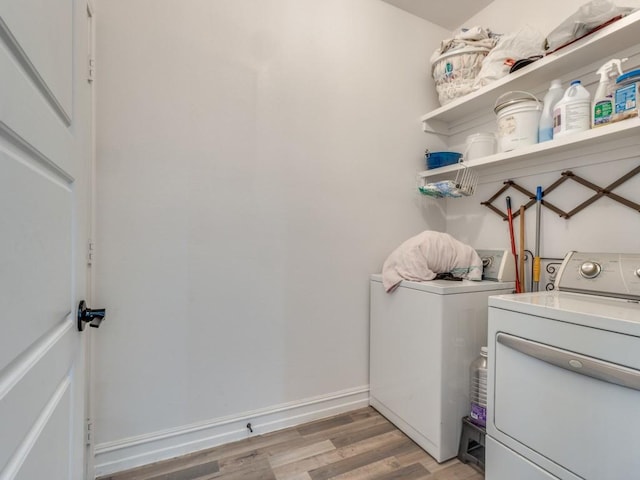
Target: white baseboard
112,457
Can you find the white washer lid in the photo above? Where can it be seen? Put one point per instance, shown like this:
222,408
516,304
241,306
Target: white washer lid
449,287
606,313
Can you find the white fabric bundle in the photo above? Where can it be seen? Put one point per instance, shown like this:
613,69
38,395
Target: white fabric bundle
526,42
588,17
424,256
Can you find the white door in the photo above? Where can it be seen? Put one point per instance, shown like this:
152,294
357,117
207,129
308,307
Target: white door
45,148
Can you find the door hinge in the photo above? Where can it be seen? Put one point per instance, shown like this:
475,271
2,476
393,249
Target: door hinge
91,73
91,250
88,437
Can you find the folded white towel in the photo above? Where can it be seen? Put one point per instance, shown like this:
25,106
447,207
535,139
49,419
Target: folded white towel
424,256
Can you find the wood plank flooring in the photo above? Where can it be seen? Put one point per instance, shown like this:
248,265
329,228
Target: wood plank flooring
357,445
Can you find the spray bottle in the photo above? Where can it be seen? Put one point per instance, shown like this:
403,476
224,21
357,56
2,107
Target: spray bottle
602,106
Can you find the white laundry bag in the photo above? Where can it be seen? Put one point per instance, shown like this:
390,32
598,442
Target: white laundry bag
526,42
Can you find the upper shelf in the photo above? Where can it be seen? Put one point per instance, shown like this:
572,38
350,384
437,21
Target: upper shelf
608,134
611,39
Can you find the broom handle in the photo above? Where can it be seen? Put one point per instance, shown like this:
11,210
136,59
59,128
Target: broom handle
513,242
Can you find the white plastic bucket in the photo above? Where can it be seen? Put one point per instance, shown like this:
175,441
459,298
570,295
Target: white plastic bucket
480,145
518,117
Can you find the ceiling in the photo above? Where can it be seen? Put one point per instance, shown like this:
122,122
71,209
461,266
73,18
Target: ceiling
449,14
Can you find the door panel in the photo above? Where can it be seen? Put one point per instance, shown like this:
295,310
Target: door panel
36,266
46,453
40,32
45,149
588,426
45,368
29,122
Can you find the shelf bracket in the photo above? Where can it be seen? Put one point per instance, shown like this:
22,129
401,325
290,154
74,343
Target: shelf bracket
436,126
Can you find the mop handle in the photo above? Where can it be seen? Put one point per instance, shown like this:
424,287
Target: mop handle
536,260
513,243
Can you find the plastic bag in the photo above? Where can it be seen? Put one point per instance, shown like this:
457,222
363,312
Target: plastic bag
525,43
588,17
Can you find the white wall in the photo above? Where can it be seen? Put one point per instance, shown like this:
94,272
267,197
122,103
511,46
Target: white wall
603,226
256,161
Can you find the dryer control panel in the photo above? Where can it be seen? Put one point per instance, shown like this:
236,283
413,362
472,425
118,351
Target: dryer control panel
610,274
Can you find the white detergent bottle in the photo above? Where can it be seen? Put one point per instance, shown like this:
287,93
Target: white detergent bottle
545,126
572,113
602,106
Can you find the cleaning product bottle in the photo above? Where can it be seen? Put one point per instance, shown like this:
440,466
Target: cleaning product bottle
478,389
545,126
572,112
602,106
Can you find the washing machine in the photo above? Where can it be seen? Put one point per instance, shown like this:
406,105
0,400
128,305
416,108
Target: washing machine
563,375
423,338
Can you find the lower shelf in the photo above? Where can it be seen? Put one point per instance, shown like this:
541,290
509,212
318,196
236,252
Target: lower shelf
626,130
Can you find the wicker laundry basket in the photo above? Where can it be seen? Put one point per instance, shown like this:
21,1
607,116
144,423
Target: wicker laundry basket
454,72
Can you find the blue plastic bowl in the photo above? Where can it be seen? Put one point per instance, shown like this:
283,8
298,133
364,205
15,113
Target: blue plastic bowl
442,159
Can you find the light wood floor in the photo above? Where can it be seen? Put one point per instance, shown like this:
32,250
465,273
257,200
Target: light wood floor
358,445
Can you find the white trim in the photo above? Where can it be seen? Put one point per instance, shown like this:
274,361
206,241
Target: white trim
119,455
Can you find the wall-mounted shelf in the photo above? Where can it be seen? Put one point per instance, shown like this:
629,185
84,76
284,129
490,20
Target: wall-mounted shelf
609,134
611,39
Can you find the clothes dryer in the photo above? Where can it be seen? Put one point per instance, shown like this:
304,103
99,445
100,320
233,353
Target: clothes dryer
564,375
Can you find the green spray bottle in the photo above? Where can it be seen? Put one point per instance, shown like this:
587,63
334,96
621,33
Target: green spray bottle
602,106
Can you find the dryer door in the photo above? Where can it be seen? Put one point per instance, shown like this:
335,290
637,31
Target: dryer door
558,403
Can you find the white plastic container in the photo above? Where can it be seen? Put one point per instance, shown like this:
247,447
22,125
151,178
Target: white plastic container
553,96
572,114
626,95
480,145
478,389
518,117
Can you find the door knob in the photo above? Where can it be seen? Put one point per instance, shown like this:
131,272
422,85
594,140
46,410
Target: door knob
93,316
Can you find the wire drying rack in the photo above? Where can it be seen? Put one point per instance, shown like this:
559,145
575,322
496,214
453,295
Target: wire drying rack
463,185
567,175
